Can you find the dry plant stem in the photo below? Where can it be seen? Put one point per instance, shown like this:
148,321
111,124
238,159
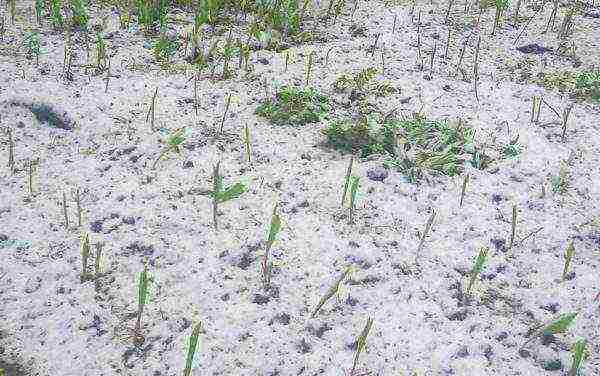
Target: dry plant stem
85,254
361,343
327,56
347,180
78,203
447,44
98,259
464,189
11,151
309,67
247,143
425,233
64,207
151,110
513,227
568,258
433,56
516,16
375,44
196,94
227,103
527,24
535,109
216,178
565,121
450,5
287,59
30,181
476,69
461,56
552,19
394,25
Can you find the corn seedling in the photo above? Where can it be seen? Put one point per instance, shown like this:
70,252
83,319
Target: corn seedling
361,343
172,144
347,180
353,190
333,290
191,351
80,15
561,182
220,195
32,43
143,288
85,254
569,252
477,268
565,120
428,226
274,228
101,56
579,355
56,17
39,8
65,213
152,110
501,6
227,103
464,189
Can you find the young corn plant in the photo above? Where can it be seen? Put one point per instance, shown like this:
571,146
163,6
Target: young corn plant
32,44
361,343
274,229
477,268
334,289
56,18
151,115
172,144
569,252
428,226
560,325
463,189
191,351
561,182
143,288
221,195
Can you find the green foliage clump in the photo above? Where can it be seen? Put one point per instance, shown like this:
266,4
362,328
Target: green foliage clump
80,15
412,145
165,48
362,84
295,106
584,85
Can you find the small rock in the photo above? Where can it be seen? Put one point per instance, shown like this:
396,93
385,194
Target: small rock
129,220
260,299
3,238
377,174
463,352
524,353
33,284
263,61
552,365
304,346
188,164
551,307
533,48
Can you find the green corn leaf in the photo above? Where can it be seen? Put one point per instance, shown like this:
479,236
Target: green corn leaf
361,342
232,192
193,342
579,356
568,257
273,228
477,267
332,290
560,325
143,286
